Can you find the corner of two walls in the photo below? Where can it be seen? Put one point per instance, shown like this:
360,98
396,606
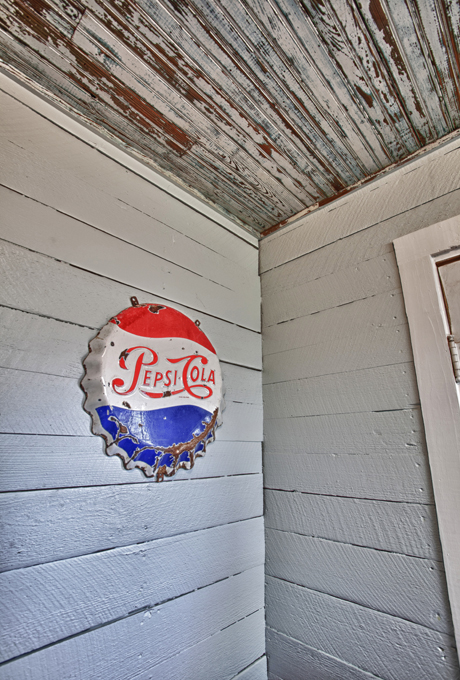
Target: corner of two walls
356,587
105,573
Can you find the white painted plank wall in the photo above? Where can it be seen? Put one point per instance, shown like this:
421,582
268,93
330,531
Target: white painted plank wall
354,565
165,579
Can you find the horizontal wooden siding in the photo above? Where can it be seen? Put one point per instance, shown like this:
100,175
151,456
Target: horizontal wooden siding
356,586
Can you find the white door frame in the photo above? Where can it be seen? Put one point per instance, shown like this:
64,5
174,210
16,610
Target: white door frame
418,255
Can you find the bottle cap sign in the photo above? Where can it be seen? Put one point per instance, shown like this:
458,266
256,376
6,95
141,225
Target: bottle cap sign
154,389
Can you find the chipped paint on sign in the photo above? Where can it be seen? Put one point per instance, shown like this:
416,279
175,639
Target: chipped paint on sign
154,389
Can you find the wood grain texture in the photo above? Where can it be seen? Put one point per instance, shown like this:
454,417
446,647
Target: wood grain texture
85,245
256,671
410,588
384,310
369,347
29,342
380,346
341,40
31,462
289,658
158,626
405,54
383,388
359,247
405,528
340,330
54,407
165,143
439,394
389,477
359,636
424,179
112,196
353,433
48,603
86,299
175,131
211,143
43,526
361,281
55,297
346,359
220,655
129,159
261,109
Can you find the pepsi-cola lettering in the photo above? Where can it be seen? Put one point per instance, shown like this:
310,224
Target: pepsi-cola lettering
142,377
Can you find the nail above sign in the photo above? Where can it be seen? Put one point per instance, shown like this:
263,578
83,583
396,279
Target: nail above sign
154,389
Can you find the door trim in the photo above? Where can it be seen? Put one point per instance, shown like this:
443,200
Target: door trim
418,255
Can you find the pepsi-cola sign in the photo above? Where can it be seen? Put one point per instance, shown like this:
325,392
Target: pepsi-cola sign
154,389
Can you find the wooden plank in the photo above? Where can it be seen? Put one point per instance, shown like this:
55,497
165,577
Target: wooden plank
32,462
417,254
371,346
108,188
405,528
294,50
350,47
424,179
354,433
165,130
364,245
43,526
361,281
54,407
256,671
86,299
343,73
145,642
119,90
449,275
77,193
176,101
176,200
47,603
289,658
212,142
218,657
360,318
360,636
408,53
410,588
155,149
237,46
194,76
211,145
389,477
372,389
30,342
85,246
268,124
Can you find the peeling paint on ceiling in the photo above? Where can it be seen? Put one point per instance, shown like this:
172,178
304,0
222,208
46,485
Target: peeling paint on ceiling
261,107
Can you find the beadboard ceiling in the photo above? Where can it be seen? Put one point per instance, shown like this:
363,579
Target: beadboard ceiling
261,107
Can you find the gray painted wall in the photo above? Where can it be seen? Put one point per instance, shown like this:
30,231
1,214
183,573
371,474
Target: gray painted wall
106,574
355,580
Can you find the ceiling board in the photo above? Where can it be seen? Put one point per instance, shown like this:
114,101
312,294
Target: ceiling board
262,107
